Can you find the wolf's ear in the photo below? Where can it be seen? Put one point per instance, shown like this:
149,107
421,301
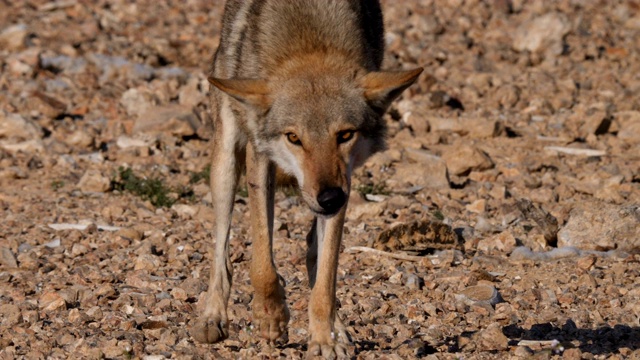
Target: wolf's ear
251,92
382,87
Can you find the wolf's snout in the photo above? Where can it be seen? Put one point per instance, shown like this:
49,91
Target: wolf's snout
331,199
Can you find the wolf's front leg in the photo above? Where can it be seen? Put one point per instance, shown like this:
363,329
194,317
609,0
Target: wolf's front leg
213,326
314,243
270,312
325,326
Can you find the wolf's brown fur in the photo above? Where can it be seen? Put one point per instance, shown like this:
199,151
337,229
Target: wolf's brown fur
297,87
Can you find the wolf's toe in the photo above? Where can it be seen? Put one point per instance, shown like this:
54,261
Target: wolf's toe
271,328
327,351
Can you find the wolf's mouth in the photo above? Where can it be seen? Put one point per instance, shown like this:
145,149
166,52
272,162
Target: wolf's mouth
325,214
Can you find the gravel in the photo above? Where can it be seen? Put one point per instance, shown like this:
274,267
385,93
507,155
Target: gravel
522,102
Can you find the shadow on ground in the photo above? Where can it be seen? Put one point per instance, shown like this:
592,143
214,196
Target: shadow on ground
601,341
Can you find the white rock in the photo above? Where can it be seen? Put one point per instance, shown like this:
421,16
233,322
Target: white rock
479,206
375,198
428,170
543,34
503,241
19,68
172,119
125,142
396,278
575,151
53,243
29,146
94,181
465,158
14,126
599,225
137,101
13,37
147,262
95,157
190,95
184,210
79,249
365,210
79,138
154,357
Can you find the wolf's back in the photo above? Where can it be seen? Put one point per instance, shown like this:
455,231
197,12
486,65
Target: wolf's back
259,35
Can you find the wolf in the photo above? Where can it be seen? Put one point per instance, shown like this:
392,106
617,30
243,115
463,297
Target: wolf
297,90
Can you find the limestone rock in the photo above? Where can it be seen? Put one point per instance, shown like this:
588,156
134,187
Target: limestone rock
172,119
542,34
10,315
360,209
14,126
482,294
137,101
481,127
13,37
463,159
94,181
28,146
428,170
504,241
629,123
7,258
147,262
190,94
51,301
491,338
602,226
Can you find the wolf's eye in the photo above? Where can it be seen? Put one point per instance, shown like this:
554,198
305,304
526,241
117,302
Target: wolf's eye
294,139
345,136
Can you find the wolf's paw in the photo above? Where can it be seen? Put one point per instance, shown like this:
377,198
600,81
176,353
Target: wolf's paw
210,329
328,342
270,317
330,351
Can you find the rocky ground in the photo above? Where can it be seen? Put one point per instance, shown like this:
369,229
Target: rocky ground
523,137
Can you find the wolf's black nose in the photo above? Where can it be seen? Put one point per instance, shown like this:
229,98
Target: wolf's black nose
331,199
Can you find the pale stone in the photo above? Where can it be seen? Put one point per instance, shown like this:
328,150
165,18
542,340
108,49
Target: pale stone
172,119
428,171
462,159
598,225
504,241
15,126
94,181
542,34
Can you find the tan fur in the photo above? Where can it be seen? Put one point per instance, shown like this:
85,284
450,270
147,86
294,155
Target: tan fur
297,89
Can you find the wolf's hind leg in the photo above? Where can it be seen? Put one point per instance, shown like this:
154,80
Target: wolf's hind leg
270,312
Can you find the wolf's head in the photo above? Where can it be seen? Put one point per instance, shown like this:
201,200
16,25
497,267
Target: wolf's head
319,126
